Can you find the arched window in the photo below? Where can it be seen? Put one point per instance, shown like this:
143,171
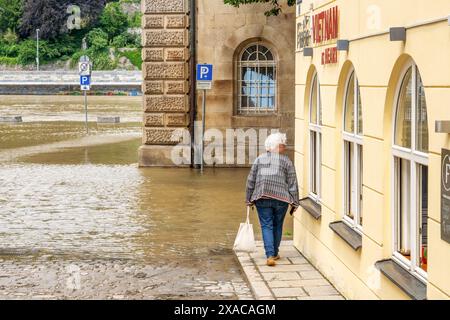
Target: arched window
411,174
315,133
257,81
353,153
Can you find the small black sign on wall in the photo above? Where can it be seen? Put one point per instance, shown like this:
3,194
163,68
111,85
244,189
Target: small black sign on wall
445,195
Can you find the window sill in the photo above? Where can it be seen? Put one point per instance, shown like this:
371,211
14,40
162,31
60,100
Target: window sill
353,238
256,121
412,286
312,207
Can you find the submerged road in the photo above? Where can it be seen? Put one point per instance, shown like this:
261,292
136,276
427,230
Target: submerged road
80,220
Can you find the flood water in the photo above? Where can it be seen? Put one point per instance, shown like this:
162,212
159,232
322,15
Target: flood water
67,198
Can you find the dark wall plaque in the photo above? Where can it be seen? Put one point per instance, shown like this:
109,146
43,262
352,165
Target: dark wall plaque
445,196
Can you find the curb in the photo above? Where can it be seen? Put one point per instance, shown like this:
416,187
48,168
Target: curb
253,278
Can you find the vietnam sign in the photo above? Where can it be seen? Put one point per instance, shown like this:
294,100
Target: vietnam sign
326,25
320,29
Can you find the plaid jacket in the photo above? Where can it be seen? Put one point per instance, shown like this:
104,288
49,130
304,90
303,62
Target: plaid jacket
273,176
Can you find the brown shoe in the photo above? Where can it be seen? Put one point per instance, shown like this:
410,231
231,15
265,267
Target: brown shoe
271,262
277,258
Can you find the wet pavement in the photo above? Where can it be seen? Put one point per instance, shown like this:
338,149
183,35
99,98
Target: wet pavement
293,277
80,220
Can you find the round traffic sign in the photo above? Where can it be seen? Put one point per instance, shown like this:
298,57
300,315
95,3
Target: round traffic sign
84,66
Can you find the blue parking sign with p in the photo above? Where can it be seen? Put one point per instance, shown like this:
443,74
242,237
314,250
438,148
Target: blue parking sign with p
85,80
204,72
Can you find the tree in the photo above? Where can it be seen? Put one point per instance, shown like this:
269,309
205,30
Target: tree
50,16
10,12
274,11
98,39
113,20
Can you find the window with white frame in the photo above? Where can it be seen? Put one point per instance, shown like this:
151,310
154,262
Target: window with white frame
353,154
411,175
257,80
315,133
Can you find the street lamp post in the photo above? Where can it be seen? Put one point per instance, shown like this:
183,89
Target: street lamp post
37,49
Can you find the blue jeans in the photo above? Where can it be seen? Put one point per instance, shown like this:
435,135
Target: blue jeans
271,217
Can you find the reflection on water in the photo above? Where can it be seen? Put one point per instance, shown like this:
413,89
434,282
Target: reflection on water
38,133
67,209
188,213
70,108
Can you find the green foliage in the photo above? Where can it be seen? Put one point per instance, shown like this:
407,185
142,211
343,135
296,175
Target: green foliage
8,61
107,29
10,13
10,37
274,11
51,17
102,61
97,39
27,52
135,20
120,41
134,56
113,20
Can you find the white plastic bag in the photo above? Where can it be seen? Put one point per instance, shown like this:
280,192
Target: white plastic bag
245,240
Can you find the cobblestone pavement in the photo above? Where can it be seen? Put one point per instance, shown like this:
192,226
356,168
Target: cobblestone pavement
294,278
50,278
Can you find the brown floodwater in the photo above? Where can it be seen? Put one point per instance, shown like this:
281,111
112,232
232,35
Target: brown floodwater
68,195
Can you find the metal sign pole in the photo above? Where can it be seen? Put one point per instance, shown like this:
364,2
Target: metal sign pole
203,127
85,70
86,111
204,79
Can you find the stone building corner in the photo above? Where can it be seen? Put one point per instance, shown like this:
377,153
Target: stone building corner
166,79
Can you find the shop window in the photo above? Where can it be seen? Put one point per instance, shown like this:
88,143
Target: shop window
315,132
353,154
257,81
411,175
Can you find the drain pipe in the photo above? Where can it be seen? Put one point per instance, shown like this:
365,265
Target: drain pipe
193,81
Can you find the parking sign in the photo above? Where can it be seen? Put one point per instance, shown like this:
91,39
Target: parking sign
85,82
204,76
204,72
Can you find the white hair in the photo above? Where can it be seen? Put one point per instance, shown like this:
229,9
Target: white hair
274,140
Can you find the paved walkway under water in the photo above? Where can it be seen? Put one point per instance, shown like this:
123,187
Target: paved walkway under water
293,278
80,220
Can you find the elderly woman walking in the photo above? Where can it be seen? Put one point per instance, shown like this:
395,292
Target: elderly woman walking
272,186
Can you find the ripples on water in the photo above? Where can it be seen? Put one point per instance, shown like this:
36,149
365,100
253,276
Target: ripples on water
78,208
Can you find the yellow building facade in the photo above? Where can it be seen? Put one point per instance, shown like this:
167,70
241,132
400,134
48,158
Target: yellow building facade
372,81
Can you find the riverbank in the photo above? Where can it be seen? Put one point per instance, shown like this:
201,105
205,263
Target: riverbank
125,83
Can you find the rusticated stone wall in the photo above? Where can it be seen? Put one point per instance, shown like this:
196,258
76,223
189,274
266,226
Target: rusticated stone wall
165,71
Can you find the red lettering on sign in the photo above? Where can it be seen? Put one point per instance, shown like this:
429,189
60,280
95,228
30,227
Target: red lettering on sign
326,25
330,56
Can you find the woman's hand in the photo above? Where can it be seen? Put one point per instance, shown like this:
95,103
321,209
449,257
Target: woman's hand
293,210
